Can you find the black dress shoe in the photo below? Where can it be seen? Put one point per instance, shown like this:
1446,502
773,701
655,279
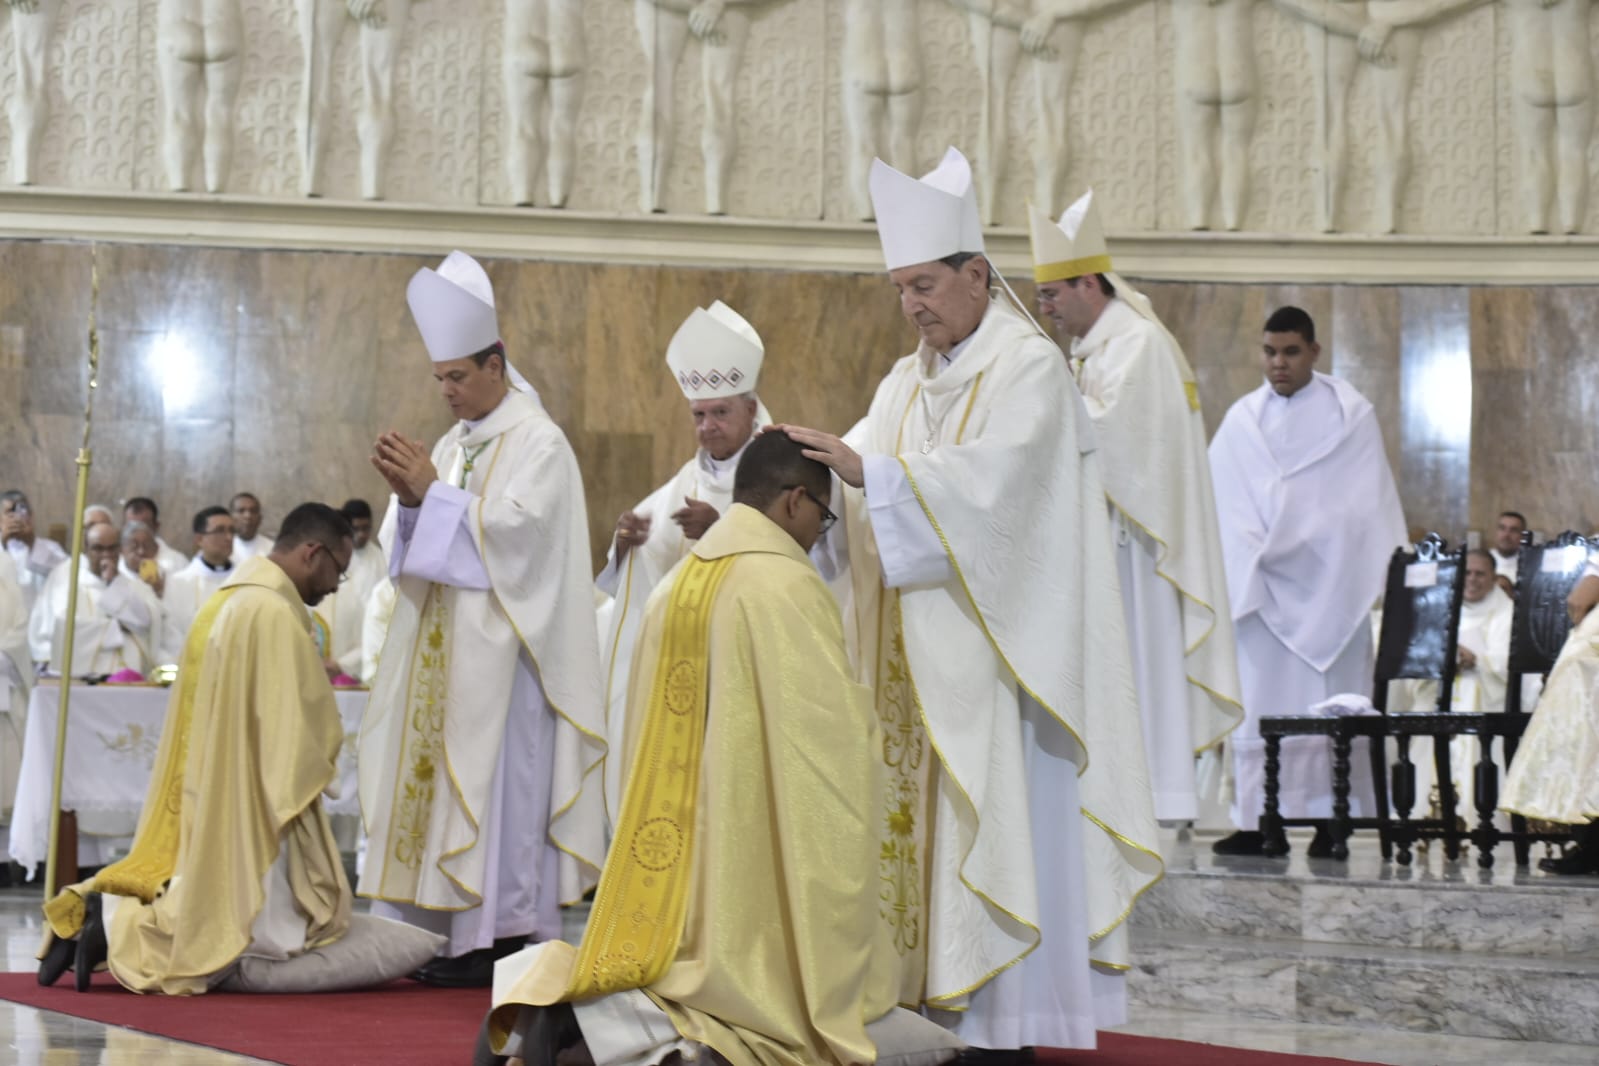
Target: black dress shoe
92,949
976,1056
475,969
57,960
1321,845
1577,860
1243,842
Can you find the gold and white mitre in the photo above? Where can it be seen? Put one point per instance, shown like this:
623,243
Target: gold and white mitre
923,219
715,353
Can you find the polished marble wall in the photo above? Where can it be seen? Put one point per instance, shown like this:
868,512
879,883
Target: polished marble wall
272,371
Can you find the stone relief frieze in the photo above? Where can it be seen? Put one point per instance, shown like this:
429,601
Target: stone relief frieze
1446,117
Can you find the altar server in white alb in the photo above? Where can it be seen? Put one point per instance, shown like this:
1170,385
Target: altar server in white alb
1309,520
1141,394
984,608
715,357
480,753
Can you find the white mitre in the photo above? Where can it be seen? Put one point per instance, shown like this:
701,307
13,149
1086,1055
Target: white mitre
1074,248
715,353
453,308
923,219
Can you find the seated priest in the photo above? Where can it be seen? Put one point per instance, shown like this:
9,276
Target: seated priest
736,917
119,619
1554,776
234,879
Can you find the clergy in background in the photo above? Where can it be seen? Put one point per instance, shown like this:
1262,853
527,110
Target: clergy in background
1141,394
141,557
715,358
1309,519
234,873
344,612
16,679
480,753
738,907
119,619
143,509
248,540
188,589
33,557
1018,825
1507,544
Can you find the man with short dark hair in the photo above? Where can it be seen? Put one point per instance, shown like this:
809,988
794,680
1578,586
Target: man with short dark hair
343,612
143,509
482,741
248,540
32,555
1507,544
234,869
119,619
774,952
1309,517
188,589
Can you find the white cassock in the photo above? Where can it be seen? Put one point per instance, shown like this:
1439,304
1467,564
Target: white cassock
1506,565
16,679
33,566
260,544
169,558
185,592
119,624
480,751
344,612
627,586
1485,631
1138,390
1309,519
984,519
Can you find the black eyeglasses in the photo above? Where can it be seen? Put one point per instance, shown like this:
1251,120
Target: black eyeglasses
828,517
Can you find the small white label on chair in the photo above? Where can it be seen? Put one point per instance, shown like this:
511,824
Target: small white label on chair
1421,575
1560,559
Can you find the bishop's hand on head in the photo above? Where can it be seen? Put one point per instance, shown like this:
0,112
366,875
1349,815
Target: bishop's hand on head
828,450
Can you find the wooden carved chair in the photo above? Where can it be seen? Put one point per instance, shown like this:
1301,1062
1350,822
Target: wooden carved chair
1421,616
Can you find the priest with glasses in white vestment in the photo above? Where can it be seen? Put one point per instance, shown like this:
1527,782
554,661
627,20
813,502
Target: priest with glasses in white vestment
481,747
984,608
715,357
1144,400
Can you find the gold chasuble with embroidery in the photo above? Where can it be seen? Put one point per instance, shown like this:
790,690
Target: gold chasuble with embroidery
739,893
251,738
998,450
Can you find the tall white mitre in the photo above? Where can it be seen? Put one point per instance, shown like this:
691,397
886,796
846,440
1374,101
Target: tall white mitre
927,218
453,308
715,353
1076,247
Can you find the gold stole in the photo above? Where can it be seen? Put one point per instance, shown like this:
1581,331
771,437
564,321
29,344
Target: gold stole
149,864
637,921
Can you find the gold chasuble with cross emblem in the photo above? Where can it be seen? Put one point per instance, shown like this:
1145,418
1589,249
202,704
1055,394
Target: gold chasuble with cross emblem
740,892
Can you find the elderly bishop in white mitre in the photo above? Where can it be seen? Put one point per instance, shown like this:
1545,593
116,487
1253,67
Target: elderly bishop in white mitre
715,357
481,744
1141,393
984,608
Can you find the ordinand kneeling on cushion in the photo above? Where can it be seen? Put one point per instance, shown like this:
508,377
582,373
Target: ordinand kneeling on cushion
234,880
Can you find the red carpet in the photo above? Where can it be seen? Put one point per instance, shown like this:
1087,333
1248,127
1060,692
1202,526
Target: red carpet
407,1024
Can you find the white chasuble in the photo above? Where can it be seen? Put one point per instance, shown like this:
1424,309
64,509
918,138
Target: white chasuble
1555,774
627,585
1001,664
489,668
118,624
1140,392
1309,519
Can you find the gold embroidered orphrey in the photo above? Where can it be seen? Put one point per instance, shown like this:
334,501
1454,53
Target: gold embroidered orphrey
633,932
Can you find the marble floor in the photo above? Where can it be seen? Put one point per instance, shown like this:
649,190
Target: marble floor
44,1038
